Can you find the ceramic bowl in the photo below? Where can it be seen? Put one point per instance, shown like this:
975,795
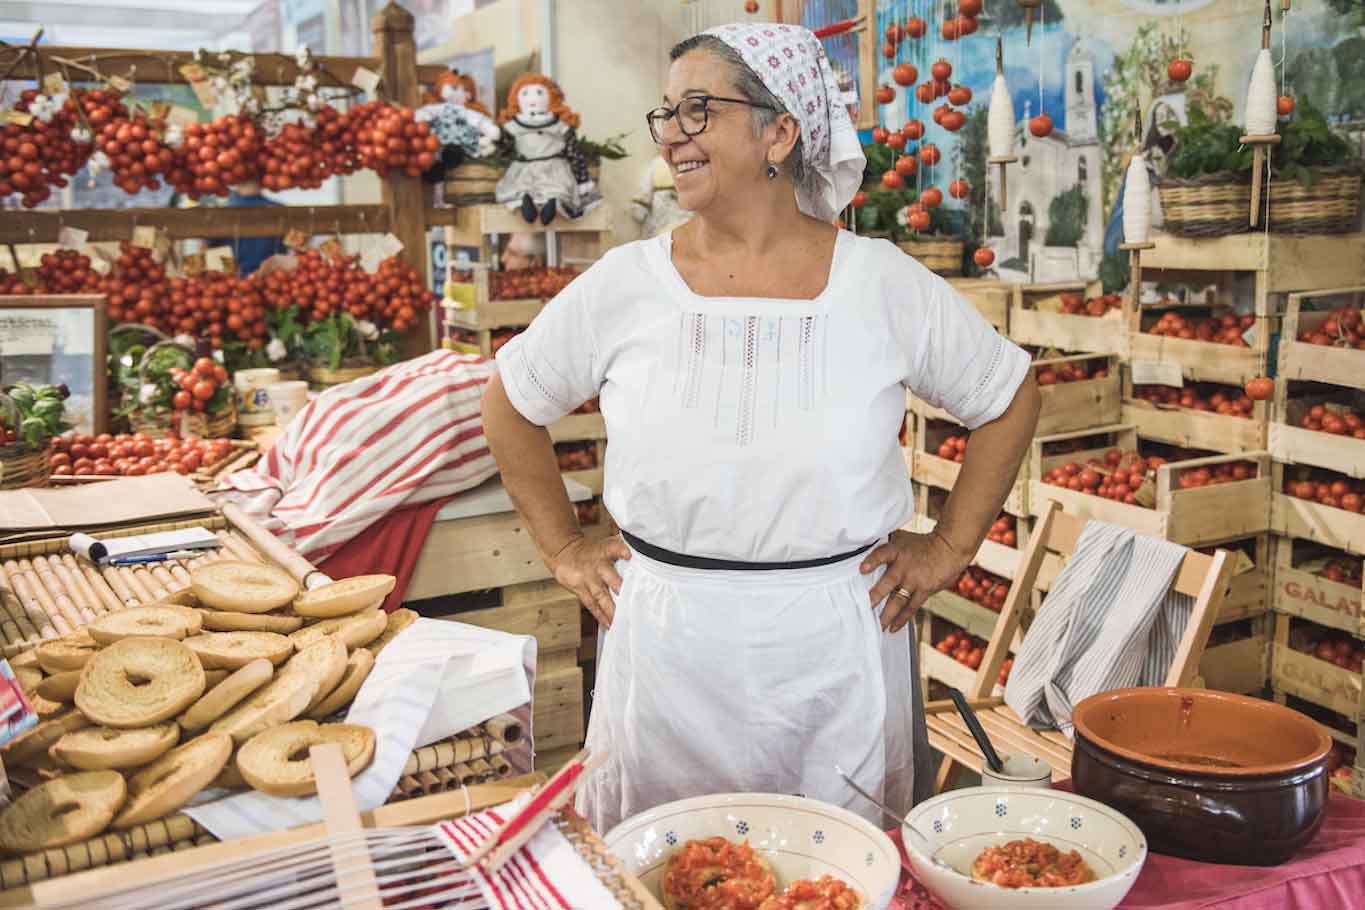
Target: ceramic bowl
801,838
1019,769
1208,776
959,824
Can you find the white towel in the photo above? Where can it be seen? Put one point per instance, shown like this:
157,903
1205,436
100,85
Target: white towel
1111,621
545,874
432,681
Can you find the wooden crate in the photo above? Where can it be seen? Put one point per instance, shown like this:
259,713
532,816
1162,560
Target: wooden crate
1300,360
1205,361
1305,676
1194,429
1298,591
1292,444
926,467
468,305
1035,318
1238,666
1205,515
990,298
1294,517
1283,262
942,668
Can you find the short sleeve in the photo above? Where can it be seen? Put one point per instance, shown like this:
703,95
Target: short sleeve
552,367
957,360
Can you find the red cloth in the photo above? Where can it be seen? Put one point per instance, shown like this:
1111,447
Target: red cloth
390,546
1328,874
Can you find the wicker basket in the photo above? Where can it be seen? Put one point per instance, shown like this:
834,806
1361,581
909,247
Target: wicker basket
324,377
1330,206
23,467
940,254
1213,205
471,184
157,424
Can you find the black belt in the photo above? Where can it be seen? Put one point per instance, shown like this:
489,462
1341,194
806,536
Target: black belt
706,562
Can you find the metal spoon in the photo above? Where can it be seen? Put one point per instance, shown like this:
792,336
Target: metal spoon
921,842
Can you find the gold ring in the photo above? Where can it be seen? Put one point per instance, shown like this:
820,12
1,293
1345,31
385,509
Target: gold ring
904,593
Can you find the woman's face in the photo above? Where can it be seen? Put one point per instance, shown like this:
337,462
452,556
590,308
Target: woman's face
725,159
533,99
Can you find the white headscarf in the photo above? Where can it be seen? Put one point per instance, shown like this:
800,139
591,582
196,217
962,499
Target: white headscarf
792,64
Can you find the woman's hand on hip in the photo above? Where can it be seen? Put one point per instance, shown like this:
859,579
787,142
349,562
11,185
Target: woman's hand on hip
588,568
917,567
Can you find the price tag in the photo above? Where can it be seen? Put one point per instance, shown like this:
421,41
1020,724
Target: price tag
99,265
389,245
119,84
162,248
145,236
220,259
1146,494
192,264
1157,372
295,239
1249,336
181,116
370,258
199,81
18,118
72,238
1242,564
53,84
365,80
331,248
159,110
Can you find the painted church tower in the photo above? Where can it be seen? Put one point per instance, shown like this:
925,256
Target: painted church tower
1082,121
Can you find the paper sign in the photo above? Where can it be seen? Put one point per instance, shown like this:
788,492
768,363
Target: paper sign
220,259
18,118
331,248
295,239
365,80
53,84
192,264
162,248
199,81
181,116
389,245
119,84
1242,564
1157,372
100,266
72,238
1146,494
145,237
1249,336
159,110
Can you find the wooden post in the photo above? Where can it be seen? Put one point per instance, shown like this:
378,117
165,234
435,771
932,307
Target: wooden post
402,196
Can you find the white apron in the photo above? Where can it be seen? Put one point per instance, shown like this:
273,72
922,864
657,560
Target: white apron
749,681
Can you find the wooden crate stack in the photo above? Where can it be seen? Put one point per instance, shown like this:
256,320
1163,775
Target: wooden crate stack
1317,594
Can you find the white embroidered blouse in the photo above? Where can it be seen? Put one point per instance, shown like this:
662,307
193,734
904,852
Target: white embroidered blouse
761,430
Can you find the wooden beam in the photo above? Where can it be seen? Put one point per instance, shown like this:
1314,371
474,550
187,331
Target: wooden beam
163,67
204,221
405,198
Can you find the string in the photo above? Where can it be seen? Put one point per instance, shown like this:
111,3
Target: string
1042,60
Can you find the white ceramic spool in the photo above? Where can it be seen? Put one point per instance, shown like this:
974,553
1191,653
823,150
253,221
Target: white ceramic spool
1137,202
1000,120
1260,114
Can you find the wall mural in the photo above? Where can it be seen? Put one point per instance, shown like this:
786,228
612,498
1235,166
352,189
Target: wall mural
1084,65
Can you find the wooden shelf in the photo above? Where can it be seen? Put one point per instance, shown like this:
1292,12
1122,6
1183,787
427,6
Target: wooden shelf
1292,262
470,224
202,221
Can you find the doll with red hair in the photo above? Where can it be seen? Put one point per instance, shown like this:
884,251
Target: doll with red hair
463,125
549,175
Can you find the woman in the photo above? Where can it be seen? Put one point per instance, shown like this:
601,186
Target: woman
752,367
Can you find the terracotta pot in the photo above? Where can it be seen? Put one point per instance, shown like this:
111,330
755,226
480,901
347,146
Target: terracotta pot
1208,776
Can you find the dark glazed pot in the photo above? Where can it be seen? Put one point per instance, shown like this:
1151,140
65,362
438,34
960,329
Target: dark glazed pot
1208,776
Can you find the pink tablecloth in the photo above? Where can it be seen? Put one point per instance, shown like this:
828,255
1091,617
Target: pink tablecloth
1329,874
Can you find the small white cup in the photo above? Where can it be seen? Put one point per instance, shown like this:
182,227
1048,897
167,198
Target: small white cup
287,398
1019,769
254,407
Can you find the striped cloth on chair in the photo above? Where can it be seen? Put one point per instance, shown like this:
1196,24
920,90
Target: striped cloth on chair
1111,621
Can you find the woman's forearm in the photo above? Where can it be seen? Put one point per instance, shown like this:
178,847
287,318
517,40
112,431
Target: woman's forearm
530,473
989,468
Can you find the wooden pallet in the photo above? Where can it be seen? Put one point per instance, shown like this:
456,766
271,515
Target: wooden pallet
990,298
1035,318
1305,676
1298,591
1294,517
1193,517
1194,429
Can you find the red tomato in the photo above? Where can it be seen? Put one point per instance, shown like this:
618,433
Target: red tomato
99,450
181,401
187,382
219,374
204,367
80,450
192,461
82,463
62,470
203,390
144,449
59,459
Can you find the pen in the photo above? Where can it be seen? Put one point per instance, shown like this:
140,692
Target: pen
155,557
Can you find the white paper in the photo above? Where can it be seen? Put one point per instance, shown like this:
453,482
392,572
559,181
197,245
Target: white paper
365,80
72,238
151,544
1157,372
432,681
390,245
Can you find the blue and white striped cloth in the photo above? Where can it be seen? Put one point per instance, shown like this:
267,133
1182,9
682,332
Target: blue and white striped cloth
1110,621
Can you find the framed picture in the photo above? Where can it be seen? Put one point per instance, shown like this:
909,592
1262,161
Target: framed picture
58,339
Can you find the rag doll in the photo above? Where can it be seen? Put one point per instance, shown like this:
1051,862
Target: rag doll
463,125
548,176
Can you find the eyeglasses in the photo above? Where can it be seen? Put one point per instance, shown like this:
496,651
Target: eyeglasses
692,113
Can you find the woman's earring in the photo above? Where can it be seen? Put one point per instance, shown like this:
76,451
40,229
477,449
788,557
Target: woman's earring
772,172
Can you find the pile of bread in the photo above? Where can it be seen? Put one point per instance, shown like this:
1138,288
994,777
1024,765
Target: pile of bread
227,683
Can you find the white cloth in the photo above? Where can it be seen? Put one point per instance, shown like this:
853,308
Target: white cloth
759,430
792,63
547,873
1110,621
749,681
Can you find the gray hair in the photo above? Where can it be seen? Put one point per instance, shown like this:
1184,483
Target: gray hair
751,87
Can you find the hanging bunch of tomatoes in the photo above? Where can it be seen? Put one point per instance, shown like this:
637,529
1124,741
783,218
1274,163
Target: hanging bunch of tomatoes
51,139
321,285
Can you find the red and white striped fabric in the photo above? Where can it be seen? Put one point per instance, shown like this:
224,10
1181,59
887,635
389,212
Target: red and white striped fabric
408,434
545,874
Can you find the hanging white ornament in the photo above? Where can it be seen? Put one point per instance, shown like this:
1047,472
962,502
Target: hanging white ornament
1137,201
1000,122
1260,115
